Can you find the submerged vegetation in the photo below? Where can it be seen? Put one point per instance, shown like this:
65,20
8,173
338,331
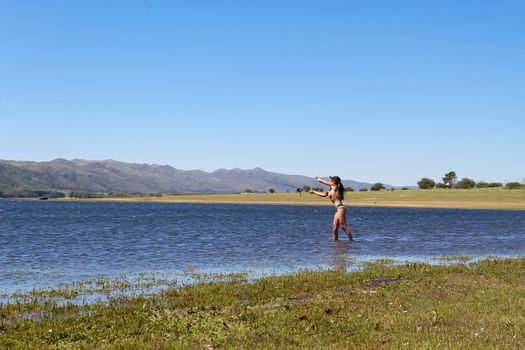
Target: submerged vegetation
414,305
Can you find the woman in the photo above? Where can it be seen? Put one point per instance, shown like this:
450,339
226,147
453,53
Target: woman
336,195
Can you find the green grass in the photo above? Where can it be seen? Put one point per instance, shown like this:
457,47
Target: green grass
415,306
483,198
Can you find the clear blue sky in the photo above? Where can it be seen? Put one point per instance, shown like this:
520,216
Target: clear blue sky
386,91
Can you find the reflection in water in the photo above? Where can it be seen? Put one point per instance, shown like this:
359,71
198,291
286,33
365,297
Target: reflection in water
338,255
45,243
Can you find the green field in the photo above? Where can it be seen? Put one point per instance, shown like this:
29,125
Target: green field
413,306
487,198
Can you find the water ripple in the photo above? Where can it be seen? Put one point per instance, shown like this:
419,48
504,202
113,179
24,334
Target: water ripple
43,243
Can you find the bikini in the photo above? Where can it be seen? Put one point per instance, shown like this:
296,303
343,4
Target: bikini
337,207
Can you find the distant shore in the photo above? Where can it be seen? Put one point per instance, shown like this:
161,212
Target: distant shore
494,199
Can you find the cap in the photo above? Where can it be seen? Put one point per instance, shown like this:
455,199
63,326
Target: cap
336,178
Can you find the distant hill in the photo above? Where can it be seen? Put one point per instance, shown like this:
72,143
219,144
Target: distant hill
115,176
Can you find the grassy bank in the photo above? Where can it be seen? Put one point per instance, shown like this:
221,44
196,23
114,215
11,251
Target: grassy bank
486,198
413,306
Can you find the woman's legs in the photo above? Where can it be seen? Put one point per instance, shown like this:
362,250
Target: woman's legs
335,227
341,216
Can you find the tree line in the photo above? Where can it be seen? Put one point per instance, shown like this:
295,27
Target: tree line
450,180
378,186
26,193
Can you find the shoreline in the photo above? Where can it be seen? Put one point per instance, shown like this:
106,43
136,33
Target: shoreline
21,286
414,305
444,199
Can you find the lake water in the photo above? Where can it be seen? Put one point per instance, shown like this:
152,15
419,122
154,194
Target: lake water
54,242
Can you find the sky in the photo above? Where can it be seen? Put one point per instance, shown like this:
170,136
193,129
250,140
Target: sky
388,91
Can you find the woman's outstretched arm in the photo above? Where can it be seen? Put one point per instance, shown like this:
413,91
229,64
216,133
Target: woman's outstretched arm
322,181
320,194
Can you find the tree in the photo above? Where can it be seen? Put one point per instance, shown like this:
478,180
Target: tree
363,190
513,185
271,190
248,190
426,183
450,179
306,188
466,183
349,189
405,189
378,186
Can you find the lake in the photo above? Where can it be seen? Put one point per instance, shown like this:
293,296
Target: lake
46,243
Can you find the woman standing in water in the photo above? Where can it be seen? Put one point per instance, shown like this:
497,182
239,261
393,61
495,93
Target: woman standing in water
336,195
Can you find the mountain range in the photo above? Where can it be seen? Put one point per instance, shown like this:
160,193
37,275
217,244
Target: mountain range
111,175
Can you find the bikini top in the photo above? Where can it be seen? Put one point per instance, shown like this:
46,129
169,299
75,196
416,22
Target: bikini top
334,196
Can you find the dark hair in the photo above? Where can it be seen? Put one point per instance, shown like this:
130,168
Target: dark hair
340,187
